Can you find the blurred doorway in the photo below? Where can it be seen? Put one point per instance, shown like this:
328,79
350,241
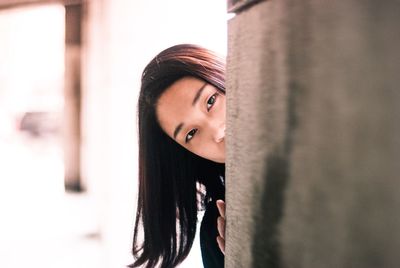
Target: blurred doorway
31,96
40,81
41,225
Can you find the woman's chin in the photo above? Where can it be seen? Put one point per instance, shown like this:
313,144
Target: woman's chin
219,160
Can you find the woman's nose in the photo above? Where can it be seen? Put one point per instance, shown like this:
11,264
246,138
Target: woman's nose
219,133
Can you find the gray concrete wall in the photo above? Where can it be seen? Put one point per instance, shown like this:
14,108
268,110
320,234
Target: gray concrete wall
314,135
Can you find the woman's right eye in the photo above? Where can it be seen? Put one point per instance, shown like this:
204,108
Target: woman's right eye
190,135
211,101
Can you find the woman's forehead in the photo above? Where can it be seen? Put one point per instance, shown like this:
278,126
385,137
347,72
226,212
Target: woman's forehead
182,91
184,85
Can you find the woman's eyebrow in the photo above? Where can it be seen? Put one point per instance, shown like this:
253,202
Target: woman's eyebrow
177,129
198,94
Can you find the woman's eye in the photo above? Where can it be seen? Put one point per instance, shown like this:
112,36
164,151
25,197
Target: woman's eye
211,101
190,135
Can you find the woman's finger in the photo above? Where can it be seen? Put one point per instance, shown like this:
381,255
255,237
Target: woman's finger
221,207
221,227
221,244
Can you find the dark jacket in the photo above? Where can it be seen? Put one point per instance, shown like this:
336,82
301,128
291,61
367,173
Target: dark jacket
210,252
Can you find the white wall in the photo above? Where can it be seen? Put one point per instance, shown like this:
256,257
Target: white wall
122,37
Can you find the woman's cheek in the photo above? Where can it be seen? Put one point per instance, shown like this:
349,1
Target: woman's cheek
200,150
220,109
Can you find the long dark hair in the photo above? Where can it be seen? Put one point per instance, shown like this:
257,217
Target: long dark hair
168,173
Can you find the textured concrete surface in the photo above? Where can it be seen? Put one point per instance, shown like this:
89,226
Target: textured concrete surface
313,135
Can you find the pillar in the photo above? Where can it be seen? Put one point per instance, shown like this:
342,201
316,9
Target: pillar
313,135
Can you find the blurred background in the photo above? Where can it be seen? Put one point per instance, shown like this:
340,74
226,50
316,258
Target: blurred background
69,79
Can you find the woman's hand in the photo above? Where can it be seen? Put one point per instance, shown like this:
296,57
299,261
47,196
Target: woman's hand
221,225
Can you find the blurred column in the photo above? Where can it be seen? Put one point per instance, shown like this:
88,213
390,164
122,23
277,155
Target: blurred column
313,134
72,93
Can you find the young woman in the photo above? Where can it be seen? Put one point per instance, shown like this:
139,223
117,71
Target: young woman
181,113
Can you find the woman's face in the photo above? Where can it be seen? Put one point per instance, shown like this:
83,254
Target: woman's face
192,112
